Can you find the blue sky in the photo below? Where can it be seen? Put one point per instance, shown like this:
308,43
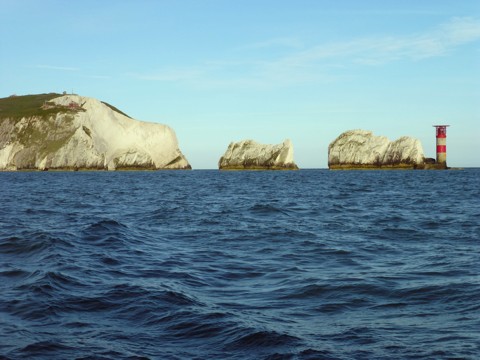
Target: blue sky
218,71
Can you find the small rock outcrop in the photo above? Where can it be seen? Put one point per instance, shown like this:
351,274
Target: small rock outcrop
360,149
250,155
72,132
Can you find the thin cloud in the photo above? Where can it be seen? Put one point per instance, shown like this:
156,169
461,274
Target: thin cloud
462,30
318,63
283,42
100,77
383,49
59,68
169,75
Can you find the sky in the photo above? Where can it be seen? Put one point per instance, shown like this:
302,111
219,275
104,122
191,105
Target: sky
218,71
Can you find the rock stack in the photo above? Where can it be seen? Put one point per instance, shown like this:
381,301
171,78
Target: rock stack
250,155
360,149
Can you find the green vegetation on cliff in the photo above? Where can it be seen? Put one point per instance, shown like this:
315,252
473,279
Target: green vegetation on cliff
17,107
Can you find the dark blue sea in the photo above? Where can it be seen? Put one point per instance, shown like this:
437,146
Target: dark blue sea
309,264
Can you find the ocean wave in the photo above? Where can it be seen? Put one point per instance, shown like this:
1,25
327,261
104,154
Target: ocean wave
44,347
31,243
208,265
261,339
338,291
267,209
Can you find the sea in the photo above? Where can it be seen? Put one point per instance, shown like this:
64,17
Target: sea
208,264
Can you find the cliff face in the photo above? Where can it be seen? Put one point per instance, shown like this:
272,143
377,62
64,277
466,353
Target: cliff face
75,132
250,155
361,149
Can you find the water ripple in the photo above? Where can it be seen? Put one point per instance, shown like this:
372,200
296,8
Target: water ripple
239,265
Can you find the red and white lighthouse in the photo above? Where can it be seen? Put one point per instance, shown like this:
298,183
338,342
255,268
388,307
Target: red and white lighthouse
441,144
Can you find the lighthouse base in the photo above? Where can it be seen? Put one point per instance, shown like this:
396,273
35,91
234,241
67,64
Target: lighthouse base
441,166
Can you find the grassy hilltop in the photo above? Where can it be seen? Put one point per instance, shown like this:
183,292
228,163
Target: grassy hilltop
27,105
17,107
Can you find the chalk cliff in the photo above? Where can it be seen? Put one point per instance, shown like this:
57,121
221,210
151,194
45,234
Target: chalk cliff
72,132
360,149
250,155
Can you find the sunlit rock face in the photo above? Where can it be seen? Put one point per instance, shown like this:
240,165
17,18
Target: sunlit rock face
250,155
86,134
360,149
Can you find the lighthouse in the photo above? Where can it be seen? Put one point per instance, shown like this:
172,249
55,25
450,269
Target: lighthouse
441,134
